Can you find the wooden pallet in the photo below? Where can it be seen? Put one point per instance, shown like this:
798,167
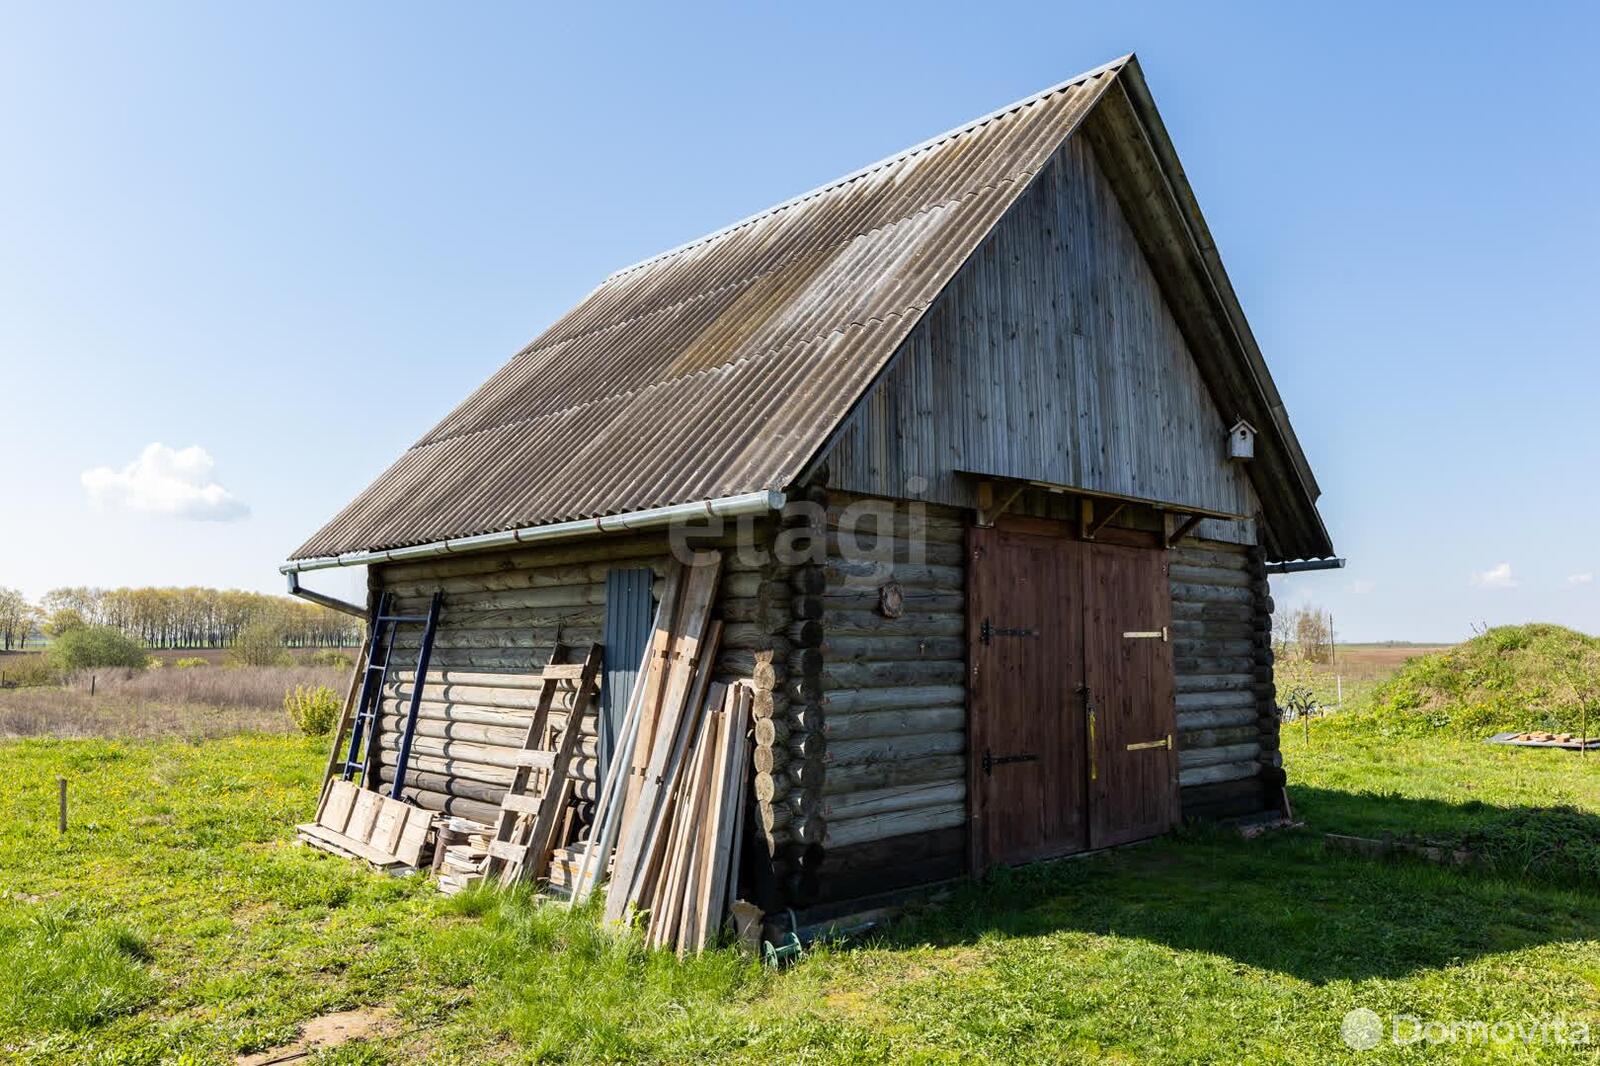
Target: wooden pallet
356,821
525,831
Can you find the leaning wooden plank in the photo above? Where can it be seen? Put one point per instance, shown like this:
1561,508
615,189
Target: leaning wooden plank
364,815
688,894
698,903
730,808
642,704
650,855
390,823
657,895
607,817
337,801
414,837
667,909
652,683
741,808
694,620
655,902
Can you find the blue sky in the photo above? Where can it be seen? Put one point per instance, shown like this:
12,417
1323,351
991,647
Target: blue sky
282,242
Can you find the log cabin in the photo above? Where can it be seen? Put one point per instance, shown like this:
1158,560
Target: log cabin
998,472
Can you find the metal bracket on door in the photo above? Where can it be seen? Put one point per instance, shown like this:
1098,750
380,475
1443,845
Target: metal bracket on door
990,761
988,631
1143,745
1147,634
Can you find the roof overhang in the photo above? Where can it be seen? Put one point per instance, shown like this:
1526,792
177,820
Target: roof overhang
749,503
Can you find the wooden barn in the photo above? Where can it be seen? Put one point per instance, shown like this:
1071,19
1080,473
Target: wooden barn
996,473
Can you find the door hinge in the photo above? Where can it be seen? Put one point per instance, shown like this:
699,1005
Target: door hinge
990,760
988,631
1163,742
1147,634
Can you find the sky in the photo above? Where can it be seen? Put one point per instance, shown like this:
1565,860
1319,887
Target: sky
249,255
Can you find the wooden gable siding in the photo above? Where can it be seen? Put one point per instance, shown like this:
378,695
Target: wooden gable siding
1052,356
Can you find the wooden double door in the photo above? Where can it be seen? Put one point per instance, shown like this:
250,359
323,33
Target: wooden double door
1072,741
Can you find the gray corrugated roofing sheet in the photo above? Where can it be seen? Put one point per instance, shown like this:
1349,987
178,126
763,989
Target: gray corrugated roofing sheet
720,367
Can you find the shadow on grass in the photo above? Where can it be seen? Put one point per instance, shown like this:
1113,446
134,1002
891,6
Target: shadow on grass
1279,903
1552,845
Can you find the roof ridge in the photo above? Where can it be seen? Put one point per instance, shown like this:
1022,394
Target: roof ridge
539,344
855,175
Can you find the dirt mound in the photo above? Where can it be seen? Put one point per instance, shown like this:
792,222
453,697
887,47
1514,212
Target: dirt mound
1534,676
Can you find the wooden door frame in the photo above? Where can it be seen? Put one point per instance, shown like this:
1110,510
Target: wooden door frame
1050,529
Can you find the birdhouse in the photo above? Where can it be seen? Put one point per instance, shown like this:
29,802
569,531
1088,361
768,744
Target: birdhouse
1242,441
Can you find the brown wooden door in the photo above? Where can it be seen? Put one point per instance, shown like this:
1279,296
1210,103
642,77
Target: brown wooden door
1133,786
1026,745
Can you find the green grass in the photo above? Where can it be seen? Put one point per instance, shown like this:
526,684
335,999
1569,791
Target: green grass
1528,812
176,923
1535,676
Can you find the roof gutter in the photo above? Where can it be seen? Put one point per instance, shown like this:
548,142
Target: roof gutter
749,503
1300,566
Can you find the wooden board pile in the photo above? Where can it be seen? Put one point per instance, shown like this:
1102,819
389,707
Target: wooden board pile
463,852
361,824
670,812
1543,739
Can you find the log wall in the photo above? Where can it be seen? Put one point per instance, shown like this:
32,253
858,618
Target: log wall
892,804
499,617
1228,762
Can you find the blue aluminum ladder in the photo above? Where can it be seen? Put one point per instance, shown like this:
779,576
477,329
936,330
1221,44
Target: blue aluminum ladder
362,756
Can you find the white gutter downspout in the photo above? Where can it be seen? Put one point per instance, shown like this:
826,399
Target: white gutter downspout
749,503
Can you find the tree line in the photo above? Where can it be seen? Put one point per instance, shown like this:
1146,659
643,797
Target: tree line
175,617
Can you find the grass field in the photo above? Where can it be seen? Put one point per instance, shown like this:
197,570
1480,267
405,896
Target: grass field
213,701
175,922
1351,673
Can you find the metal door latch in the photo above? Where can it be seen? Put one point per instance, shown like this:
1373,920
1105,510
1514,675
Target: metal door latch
988,631
990,760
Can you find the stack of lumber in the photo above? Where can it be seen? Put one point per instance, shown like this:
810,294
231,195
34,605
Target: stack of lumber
669,816
461,865
690,896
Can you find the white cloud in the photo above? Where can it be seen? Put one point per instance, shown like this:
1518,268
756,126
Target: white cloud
166,481
1496,577
1580,579
1361,587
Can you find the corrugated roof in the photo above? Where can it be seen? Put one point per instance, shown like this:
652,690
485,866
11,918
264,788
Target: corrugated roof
723,366
720,367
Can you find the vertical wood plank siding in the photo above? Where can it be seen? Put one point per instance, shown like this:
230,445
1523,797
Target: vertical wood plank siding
500,614
1051,356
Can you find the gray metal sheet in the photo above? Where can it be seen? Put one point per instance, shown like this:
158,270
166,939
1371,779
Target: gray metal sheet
720,367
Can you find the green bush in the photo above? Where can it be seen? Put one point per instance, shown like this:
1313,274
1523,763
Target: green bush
96,647
261,644
1510,678
338,660
27,670
191,663
312,709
